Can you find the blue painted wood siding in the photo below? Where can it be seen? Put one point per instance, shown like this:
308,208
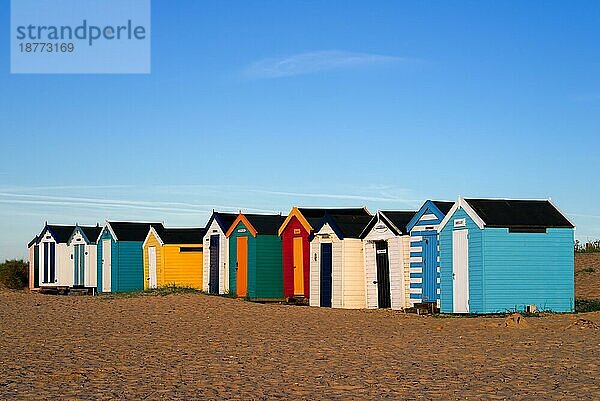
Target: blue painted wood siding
427,223
127,264
475,264
528,268
130,274
508,271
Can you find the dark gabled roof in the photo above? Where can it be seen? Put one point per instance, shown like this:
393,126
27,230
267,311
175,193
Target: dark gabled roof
128,231
314,215
345,226
180,235
518,213
91,232
33,241
60,233
266,224
444,206
395,220
399,218
224,220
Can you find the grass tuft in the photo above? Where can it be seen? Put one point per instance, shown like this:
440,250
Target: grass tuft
161,291
587,305
586,270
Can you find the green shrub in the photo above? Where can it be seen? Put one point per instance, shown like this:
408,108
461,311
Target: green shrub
588,247
14,274
587,305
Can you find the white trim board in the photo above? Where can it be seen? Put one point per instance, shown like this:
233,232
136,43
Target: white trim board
462,203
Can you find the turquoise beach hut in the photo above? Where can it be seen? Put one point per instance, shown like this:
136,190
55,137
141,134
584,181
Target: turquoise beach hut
120,256
500,255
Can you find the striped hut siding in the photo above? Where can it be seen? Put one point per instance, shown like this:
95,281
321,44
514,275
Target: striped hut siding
426,221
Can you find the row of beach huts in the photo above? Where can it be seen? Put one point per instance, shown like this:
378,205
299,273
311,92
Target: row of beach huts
470,256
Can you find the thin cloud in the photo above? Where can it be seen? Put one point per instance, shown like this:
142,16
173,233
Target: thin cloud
591,216
335,196
171,207
311,62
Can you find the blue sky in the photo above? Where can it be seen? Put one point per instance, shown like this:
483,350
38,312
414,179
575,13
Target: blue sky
268,104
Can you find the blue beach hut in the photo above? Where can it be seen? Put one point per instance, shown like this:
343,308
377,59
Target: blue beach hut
120,256
424,252
500,255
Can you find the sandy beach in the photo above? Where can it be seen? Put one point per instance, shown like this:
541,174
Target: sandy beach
205,347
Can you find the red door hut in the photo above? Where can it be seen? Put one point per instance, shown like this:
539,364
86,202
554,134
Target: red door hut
294,233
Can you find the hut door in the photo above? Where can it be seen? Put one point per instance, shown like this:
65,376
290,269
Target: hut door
298,267
242,266
213,280
36,266
78,264
152,267
429,258
106,265
49,262
383,274
460,274
326,267
46,264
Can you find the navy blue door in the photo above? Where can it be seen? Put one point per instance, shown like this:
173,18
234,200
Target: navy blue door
46,276
52,262
430,254
49,262
213,281
326,265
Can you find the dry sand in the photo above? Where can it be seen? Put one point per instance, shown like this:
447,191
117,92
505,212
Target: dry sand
201,347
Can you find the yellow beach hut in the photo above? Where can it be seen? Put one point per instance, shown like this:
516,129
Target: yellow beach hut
173,256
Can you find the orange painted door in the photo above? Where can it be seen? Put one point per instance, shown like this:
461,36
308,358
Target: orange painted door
242,266
298,267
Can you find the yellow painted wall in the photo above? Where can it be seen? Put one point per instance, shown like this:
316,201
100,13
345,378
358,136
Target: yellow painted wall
174,267
152,241
181,268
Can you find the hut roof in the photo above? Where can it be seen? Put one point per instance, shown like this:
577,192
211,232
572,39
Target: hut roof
515,213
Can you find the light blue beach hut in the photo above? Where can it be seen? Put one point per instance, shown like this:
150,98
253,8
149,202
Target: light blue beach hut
500,255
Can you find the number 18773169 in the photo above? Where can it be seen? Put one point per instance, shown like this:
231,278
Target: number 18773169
46,47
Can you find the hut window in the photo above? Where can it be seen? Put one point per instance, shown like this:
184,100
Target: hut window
527,230
190,249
